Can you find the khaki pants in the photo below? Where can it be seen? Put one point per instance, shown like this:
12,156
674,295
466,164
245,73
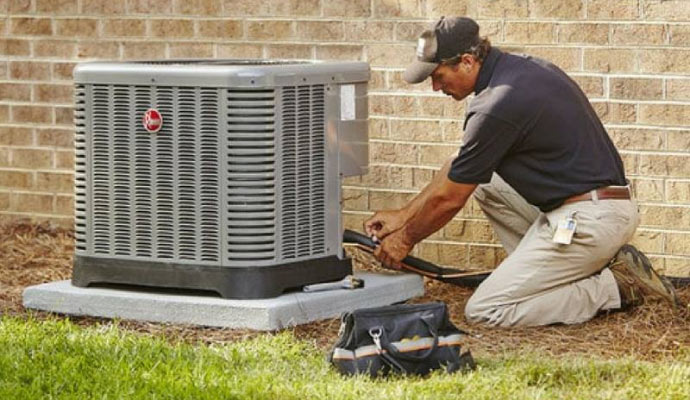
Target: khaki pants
542,282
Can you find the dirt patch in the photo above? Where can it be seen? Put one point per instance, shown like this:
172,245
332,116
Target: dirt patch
36,253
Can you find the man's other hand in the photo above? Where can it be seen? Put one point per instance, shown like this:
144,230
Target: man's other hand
384,222
393,249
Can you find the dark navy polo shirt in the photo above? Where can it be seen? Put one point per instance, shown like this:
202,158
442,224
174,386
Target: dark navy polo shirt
530,123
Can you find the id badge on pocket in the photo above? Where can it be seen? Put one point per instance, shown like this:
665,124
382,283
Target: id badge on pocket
565,230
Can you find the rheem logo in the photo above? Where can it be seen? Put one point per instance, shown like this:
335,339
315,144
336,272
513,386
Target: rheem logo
153,120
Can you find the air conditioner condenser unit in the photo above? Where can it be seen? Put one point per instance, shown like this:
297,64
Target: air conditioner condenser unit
220,175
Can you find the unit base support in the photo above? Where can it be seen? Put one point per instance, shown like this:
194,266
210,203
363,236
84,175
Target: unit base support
229,282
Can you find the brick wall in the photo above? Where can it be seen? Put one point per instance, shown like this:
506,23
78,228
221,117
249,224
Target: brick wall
632,58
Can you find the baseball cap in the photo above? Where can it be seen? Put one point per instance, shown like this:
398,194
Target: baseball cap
447,38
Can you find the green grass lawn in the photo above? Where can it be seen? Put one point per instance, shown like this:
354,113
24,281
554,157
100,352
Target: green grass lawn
57,359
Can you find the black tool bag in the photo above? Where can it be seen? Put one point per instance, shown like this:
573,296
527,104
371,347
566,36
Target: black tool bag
407,338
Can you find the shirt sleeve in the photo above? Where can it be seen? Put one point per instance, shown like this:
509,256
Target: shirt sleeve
486,142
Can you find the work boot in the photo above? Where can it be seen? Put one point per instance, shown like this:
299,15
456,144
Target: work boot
637,280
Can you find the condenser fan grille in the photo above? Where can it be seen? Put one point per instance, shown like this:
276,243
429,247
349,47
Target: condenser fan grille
155,195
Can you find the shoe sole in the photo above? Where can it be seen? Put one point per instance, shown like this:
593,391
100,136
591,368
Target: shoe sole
651,280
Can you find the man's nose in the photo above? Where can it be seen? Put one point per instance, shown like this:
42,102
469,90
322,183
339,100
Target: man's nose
435,85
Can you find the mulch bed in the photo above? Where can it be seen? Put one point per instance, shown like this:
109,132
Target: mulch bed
36,253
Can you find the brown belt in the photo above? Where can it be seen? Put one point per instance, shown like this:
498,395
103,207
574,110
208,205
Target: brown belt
610,192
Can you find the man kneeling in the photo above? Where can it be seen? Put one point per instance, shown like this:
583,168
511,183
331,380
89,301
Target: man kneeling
544,171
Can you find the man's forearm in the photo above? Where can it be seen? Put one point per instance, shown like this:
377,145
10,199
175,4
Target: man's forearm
434,213
440,205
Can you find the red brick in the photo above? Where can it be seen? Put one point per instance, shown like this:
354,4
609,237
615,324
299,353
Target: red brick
397,153
63,71
435,8
4,157
16,179
583,33
665,60
31,26
103,7
341,52
354,8
415,130
56,7
679,140
98,50
191,50
55,137
197,7
529,32
387,8
53,93
15,47
64,49
320,30
609,60
32,114
157,7
179,28
482,257
61,182
143,50
239,8
64,205
124,27
664,114
270,30
636,88
290,51
639,34
666,10
680,35
15,92
4,201
64,116
293,7
32,158
28,70
386,55
369,31
613,9
15,136
678,89
503,8
64,160
566,9
4,113
31,202
637,139
239,51
435,155
568,59
225,29
74,27
19,6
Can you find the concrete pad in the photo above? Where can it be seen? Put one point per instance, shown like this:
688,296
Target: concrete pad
264,314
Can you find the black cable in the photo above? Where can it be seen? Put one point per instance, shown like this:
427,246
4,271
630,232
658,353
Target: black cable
433,271
424,267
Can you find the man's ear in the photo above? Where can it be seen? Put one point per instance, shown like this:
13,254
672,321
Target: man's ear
467,61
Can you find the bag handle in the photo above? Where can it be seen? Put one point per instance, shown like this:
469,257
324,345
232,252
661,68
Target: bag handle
381,341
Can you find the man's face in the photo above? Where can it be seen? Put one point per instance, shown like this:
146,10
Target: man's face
456,80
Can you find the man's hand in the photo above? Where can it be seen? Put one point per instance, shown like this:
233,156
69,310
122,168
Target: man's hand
384,222
393,249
